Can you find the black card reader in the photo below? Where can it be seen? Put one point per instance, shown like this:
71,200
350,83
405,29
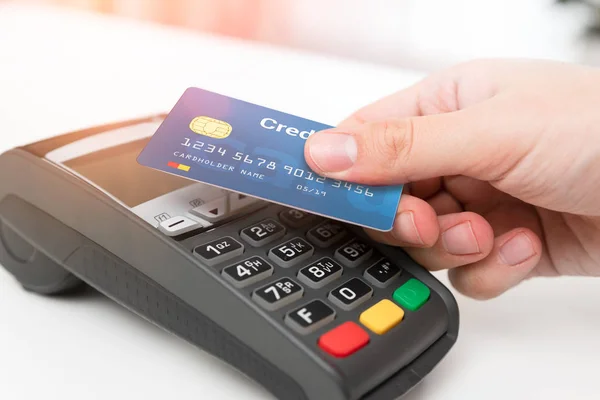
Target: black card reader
308,307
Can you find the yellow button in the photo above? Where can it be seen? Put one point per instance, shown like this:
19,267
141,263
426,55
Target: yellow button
382,317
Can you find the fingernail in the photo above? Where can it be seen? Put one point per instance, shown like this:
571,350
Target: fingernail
406,230
460,240
517,250
332,152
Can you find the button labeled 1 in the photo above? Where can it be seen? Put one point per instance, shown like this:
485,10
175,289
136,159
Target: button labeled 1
310,317
219,250
278,294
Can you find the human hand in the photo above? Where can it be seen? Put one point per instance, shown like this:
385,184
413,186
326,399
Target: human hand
503,160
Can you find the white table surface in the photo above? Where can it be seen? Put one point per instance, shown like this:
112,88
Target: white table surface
64,70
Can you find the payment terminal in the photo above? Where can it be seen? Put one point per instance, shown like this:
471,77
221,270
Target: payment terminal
308,307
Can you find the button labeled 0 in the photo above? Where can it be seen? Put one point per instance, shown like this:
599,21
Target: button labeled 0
351,294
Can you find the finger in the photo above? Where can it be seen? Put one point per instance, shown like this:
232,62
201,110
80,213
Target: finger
510,214
514,255
400,104
416,225
476,195
475,142
426,188
443,203
465,238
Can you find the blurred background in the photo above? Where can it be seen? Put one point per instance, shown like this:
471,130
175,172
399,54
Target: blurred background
419,34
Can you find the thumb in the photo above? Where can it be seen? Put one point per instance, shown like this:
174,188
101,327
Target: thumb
468,142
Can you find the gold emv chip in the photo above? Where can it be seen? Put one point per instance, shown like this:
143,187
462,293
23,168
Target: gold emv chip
210,127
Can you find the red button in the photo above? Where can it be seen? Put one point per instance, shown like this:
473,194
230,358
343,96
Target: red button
344,340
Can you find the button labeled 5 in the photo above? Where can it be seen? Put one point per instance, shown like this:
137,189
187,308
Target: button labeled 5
291,252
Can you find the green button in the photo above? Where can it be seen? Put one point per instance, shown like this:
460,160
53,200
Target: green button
412,295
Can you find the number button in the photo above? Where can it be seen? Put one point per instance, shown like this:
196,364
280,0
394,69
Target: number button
382,273
278,294
217,251
310,317
291,252
296,218
350,294
263,232
248,272
353,253
320,273
326,234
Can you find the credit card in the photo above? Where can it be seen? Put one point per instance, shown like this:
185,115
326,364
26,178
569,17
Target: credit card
259,152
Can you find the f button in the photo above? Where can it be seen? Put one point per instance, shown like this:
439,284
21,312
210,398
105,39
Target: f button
310,317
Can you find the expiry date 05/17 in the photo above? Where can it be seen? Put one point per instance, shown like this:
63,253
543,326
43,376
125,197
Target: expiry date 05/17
309,190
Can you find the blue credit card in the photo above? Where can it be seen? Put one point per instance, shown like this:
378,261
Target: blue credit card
259,152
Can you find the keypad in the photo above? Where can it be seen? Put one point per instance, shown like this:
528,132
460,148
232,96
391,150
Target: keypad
326,234
382,273
278,294
351,294
291,252
263,232
320,273
310,317
248,271
296,218
354,253
313,260
218,251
